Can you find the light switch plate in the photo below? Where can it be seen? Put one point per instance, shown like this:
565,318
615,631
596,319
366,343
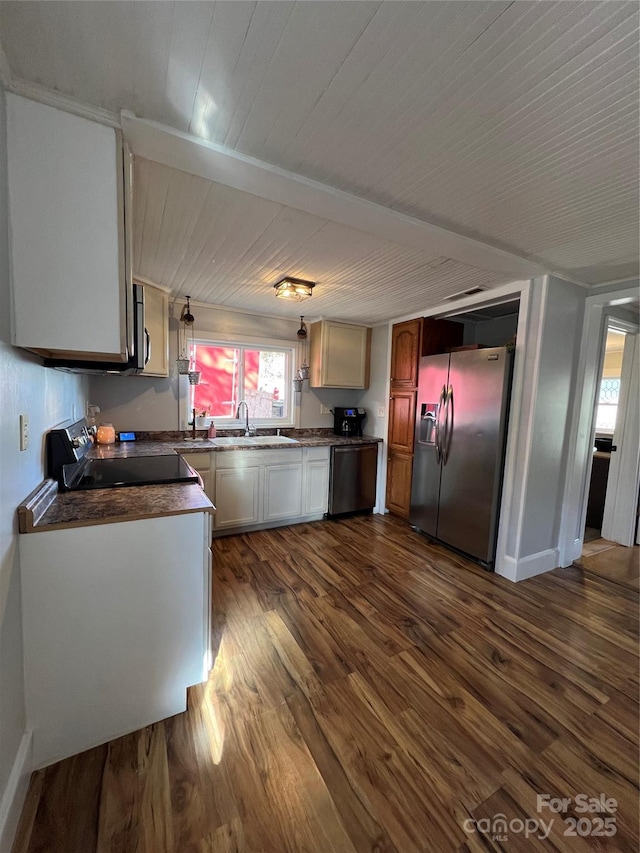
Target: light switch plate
380,411
24,432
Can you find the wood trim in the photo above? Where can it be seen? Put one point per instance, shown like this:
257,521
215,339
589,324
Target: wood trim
37,92
35,505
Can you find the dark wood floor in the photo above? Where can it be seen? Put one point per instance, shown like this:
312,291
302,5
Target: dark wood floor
372,692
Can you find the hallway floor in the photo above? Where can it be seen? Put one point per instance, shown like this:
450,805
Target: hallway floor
612,562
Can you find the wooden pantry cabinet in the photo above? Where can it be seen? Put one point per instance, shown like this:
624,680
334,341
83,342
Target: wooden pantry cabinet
409,342
406,347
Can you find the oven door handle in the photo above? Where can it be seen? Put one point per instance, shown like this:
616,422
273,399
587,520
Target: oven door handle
147,338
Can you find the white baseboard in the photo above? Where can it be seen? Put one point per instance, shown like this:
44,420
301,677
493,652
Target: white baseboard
528,567
15,793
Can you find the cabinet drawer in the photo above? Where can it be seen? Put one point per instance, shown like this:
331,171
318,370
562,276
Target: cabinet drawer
317,453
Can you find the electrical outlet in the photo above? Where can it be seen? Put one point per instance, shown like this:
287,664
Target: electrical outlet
380,411
325,410
24,432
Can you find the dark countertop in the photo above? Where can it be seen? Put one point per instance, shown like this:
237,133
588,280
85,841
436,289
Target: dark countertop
205,445
48,509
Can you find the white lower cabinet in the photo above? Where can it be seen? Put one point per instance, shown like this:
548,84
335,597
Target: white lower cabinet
238,491
282,491
316,482
265,488
116,622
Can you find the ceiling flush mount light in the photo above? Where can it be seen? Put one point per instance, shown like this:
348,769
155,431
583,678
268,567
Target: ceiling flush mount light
294,288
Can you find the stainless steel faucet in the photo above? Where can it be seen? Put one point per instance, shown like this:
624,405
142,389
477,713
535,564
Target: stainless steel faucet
247,431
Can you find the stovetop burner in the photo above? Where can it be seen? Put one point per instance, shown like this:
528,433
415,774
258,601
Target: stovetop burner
67,449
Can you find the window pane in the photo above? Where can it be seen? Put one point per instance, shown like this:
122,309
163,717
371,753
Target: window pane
264,383
218,391
230,374
608,404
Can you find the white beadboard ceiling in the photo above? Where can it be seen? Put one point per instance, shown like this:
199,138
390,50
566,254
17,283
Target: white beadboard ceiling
199,237
515,123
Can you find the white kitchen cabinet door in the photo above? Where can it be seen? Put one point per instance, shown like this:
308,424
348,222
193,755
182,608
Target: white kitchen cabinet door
66,211
282,492
339,355
156,321
114,628
237,497
316,491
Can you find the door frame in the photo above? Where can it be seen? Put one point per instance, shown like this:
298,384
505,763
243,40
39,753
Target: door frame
621,502
598,309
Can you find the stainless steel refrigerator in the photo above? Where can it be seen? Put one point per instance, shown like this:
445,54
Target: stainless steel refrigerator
461,422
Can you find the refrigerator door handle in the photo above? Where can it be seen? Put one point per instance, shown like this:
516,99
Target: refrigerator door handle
448,425
441,405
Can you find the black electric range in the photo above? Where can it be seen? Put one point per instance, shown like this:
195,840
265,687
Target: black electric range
67,463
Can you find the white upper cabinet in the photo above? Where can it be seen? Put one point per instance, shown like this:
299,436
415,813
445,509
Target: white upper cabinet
66,210
339,355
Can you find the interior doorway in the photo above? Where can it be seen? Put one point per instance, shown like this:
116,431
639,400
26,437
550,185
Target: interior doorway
606,412
612,503
621,302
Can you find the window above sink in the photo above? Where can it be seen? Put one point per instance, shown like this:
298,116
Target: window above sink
260,373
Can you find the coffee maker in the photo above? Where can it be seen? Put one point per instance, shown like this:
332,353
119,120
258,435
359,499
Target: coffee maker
348,422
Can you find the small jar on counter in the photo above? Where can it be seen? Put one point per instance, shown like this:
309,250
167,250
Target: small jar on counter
106,434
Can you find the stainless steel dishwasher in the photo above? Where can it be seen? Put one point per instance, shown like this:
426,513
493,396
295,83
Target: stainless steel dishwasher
352,478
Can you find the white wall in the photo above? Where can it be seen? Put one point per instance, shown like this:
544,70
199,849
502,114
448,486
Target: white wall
48,397
377,394
547,357
143,403
377,397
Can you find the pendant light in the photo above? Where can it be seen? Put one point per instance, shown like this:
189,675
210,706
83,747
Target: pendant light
184,361
186,319
303,372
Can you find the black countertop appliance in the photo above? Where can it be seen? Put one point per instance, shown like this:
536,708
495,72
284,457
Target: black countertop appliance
348,422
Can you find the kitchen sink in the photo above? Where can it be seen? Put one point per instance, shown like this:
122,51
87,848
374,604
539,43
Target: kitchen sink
248,441
271,439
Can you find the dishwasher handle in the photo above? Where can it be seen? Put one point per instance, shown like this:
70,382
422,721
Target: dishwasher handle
351,447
